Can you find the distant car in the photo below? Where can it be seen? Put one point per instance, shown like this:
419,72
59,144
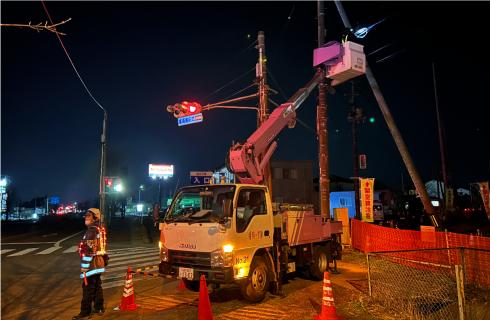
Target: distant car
378,211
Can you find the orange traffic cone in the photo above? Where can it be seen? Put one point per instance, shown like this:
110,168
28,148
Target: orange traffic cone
328,306
181,285
204,308
127,300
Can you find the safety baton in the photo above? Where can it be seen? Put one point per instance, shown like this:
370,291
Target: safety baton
85,279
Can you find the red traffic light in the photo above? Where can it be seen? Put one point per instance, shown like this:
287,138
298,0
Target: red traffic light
185,109
108,182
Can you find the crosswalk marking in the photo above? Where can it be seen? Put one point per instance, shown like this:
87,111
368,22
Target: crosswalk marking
160,303
137,258
129,263
49,250
122,262
22,252
254,312
116,255
71,249
133,255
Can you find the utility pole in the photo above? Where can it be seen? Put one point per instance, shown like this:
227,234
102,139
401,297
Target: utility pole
103,140
355,117
321,118
441,142
397,137
263,114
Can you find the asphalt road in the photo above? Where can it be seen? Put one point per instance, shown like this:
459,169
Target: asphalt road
40,281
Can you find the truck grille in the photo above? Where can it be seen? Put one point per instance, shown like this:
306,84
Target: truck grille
190,259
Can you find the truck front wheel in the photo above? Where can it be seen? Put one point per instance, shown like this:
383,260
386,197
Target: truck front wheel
319,263
257,284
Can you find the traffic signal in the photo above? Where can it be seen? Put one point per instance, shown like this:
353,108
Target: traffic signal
184,109
372,120
108,185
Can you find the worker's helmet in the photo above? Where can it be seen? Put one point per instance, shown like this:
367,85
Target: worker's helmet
95,213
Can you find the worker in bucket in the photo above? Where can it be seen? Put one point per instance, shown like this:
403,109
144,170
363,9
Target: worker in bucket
94,259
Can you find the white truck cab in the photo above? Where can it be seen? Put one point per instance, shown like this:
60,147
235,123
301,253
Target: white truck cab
231,234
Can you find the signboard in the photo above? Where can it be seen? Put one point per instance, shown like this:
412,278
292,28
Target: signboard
362,161
201,177
428,234
54,200
160,170
4,201
367,190
485,196
195,118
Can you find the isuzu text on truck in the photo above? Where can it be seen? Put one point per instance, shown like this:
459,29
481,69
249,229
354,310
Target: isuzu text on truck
232,233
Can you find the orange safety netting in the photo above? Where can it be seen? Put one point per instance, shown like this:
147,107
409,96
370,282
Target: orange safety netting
473,252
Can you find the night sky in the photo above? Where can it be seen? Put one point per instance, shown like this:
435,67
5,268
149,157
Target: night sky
137,58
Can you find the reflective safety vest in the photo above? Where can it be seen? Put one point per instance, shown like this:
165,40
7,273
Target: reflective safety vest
92,249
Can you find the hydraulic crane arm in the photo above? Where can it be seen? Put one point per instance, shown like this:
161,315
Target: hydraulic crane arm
249,159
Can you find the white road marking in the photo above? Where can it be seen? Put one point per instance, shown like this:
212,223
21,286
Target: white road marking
133,261
134,256
49,250
118,283
22,252
129,252
6,250
57,244
43,242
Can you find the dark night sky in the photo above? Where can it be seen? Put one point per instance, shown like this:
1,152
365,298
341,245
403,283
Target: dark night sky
139,57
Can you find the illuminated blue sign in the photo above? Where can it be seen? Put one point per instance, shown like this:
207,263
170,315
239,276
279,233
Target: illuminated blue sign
54,200
195,118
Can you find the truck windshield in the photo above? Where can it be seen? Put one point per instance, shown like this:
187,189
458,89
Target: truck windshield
200,204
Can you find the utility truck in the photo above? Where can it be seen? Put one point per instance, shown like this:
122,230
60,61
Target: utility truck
234,234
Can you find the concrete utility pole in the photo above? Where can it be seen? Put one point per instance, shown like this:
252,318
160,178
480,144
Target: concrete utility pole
263,113
321,117
355,117
441,142
103,140
397,137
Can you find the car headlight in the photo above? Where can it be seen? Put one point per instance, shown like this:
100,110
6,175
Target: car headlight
222,257
163,252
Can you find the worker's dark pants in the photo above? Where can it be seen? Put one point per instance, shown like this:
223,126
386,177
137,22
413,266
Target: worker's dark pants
92,292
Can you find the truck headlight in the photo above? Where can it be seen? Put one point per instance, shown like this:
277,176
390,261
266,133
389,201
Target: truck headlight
222,257
163,252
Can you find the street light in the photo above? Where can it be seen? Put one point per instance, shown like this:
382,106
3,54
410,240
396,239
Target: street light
141,188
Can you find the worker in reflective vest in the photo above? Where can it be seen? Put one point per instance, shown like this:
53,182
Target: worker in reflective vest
93,261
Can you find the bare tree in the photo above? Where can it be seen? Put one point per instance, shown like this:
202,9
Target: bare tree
38,27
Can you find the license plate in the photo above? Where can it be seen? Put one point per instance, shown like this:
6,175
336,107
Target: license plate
187,273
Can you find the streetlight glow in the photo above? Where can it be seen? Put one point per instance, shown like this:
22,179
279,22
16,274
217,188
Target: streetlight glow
118,187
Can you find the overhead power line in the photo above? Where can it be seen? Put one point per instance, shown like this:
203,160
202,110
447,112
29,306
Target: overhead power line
69,58
228,83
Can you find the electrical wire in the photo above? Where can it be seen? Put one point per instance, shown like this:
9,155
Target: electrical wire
297,119
269,71
228,83
239,91
71,61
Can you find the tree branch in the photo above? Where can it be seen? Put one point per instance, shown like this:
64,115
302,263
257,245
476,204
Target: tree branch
39,27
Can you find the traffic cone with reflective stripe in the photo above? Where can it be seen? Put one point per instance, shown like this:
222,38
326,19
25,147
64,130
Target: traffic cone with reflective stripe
127,300
328,305
204,311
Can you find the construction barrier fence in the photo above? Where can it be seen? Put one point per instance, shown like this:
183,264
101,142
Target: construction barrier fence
413,289
414,247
